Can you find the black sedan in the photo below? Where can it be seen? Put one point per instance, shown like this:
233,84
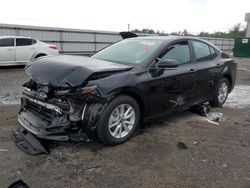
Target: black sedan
106,96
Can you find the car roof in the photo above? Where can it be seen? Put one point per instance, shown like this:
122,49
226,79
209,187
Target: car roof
2,37
165,38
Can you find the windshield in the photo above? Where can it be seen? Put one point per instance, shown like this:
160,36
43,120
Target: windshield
129,51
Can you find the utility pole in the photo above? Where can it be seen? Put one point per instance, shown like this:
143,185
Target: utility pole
128,27
247,19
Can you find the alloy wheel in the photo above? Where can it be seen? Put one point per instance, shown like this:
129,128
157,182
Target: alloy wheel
222,92
121,121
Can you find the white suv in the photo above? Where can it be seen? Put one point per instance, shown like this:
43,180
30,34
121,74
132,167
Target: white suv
16,50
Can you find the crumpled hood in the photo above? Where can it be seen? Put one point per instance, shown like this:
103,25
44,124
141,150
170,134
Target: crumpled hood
68,71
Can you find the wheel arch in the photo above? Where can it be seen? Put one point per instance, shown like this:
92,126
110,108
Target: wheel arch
40,55
132,92
229,78
37,55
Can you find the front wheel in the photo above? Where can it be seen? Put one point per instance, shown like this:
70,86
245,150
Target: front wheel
119,120
221,93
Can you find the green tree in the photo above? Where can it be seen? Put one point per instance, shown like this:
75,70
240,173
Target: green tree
174,33
237,31
185,32
148,31
204,34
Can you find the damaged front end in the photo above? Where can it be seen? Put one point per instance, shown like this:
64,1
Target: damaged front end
60,102
57,114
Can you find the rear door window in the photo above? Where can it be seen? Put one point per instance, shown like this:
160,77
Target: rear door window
7,42
202,51
213,52
24,42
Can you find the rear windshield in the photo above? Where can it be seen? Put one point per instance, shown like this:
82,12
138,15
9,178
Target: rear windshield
129,51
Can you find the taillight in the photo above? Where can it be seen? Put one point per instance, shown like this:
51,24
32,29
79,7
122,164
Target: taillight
52,46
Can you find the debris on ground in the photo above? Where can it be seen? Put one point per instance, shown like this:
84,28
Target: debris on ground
215,117
195,143
181,145
18,184
204,110
28,142
92,168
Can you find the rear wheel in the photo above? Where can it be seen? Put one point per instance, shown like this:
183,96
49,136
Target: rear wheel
119,120
221,93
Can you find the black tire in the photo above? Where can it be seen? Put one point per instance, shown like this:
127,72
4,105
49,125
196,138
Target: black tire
217,102
103,131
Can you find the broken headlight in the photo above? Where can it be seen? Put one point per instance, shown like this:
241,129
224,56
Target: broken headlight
83,91
62,92
87,90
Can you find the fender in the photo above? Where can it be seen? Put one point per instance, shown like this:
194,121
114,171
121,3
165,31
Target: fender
135,93
228,73
224,70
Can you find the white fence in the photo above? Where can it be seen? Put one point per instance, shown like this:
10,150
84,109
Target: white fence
84,42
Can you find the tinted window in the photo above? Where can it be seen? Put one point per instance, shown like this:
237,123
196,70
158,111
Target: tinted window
6,42
179,52
129,51
24,42
213,52
202,51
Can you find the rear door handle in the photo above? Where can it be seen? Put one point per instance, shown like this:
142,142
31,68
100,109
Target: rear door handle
9,49
192,70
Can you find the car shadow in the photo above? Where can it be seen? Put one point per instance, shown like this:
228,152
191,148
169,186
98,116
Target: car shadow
95,145
56,146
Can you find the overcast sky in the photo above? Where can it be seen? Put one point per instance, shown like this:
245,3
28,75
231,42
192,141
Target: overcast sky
114,15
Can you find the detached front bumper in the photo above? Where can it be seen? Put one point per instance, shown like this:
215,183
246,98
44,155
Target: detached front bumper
34,127
44,120
38,126
27,142
58,119
49,121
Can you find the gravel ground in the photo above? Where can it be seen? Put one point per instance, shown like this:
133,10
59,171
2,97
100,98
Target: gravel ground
216,155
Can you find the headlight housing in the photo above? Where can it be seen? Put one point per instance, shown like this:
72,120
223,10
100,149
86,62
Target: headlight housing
82,91
87,90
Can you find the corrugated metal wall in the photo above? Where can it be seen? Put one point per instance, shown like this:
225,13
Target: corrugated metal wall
222,43
84,42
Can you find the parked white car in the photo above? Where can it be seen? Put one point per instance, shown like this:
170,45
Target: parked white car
16,50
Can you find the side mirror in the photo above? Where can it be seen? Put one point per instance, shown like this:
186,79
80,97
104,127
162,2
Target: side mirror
168,63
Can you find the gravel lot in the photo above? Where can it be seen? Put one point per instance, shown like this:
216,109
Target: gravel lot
217,155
